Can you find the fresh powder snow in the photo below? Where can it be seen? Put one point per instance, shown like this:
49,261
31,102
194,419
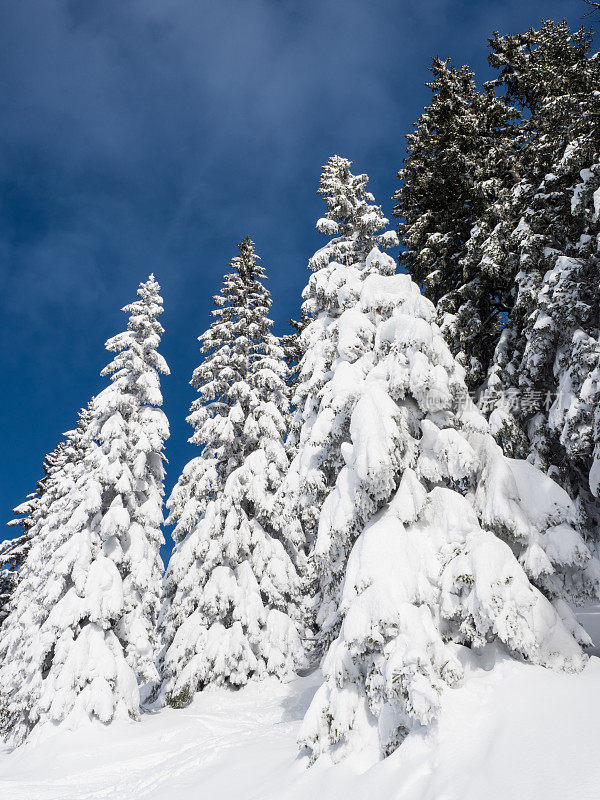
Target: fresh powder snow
515,730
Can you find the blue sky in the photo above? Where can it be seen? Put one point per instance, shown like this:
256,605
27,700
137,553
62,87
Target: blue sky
142,136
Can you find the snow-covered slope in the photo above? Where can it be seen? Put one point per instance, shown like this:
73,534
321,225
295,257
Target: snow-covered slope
515,732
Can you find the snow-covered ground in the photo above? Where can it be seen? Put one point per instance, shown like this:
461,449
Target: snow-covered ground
515,731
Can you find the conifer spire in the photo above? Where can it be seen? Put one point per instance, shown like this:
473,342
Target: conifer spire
230,610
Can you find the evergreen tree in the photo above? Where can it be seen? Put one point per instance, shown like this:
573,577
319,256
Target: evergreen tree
131,429
500,228
36,635
231,606
459,157
80,633
538,67
447,551
292,347
549,228
14,552
320,425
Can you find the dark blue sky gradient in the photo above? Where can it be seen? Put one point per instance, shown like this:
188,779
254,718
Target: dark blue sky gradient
153,135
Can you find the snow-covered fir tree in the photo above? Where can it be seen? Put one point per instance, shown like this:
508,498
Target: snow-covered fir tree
320,422
13,552
546,354
459,156
448,553
500,227
34,637
131,430
12,557
534,70
292,347
232,593
80,634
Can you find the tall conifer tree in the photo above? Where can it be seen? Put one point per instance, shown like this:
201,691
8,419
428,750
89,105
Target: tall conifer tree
79,639
231,606
500,226
549,225
459,157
